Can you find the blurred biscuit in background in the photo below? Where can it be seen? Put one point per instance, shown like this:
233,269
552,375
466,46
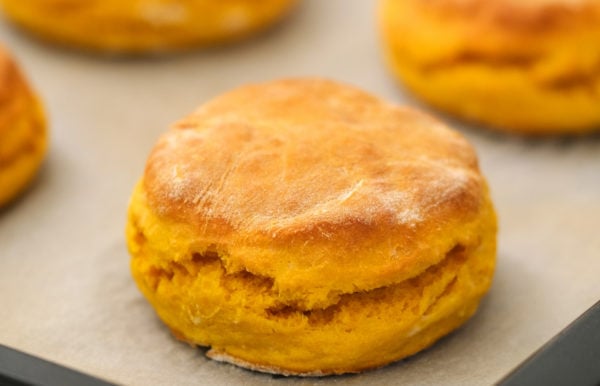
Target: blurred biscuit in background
529,67
23,137
140,26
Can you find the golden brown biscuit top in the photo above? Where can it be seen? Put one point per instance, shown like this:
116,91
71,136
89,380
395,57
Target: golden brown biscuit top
520,15
298,154
319,168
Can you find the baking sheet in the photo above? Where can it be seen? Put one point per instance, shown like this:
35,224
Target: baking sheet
65,289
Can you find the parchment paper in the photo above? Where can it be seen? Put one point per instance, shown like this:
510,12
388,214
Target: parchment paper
65,289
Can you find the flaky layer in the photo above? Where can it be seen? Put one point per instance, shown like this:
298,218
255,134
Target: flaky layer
247,320
22,131
531,67
146,25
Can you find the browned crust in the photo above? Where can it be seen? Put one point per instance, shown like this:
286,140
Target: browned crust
520,17
233,150
323,171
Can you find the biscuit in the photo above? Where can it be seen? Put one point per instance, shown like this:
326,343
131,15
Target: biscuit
23,139
142,26
530,67
305,227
